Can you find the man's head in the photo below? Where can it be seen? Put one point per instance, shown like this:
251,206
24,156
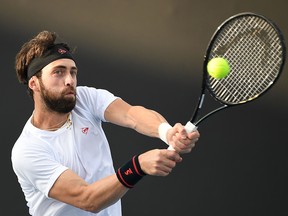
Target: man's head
49,70
37,53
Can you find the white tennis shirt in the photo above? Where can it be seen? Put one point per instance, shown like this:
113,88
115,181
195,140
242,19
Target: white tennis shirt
39,156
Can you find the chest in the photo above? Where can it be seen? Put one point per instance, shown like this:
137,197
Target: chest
83,147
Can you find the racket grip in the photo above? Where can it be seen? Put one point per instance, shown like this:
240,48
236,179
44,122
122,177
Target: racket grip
189,127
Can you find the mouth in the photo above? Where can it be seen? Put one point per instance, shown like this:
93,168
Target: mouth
70,93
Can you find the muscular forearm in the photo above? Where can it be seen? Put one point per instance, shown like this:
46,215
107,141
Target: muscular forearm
139,118
105,192
146,121
71,189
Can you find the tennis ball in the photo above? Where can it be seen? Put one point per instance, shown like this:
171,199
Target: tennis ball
218,68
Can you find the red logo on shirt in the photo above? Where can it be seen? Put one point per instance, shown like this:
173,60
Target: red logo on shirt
85,130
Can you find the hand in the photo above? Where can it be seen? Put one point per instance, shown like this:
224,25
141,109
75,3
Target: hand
159,162
181,141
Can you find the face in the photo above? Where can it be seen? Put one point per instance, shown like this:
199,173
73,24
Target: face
57,85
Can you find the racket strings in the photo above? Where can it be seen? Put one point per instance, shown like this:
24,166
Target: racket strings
254,51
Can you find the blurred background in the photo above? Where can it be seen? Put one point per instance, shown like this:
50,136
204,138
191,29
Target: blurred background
150,53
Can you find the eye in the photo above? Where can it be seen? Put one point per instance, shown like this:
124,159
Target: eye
58,71
73,72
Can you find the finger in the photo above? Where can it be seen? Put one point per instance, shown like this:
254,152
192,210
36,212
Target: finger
163,168
194,135
173,157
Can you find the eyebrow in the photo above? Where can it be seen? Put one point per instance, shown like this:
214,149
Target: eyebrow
64,67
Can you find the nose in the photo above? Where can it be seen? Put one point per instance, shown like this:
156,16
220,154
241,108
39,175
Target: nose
70,80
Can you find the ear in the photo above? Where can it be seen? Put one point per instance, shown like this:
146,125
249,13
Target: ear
33,83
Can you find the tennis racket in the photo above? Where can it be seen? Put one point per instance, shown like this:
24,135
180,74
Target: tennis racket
255,49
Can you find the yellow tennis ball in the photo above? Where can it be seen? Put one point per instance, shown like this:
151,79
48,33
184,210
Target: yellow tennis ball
218,67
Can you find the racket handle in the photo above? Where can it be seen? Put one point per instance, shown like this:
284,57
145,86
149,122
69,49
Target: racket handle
189,127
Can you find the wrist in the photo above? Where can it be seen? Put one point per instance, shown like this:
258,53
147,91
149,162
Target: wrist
130,173
162,131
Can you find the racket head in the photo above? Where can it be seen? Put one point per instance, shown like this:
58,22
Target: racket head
255,49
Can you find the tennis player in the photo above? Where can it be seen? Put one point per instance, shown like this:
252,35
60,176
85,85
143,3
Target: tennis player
62,157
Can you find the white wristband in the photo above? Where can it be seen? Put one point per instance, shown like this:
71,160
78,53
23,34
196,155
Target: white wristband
162,130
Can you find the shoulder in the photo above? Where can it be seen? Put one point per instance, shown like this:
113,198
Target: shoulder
27,151
83,91
93,97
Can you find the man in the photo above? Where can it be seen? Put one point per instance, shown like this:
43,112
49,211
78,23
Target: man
62,158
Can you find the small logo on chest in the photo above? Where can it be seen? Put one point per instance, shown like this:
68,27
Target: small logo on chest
85,130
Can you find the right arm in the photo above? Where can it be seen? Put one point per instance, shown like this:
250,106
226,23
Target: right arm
147,122
72,189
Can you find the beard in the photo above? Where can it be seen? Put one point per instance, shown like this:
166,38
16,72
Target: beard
57,102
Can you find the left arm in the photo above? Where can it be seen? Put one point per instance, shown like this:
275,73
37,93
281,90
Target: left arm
142,120
146,121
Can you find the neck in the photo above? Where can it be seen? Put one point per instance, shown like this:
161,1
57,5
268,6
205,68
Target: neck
49,123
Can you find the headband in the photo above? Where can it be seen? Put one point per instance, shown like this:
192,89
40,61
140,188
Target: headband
57,51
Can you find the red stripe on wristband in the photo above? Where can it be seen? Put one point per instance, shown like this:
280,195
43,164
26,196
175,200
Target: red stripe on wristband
137,166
